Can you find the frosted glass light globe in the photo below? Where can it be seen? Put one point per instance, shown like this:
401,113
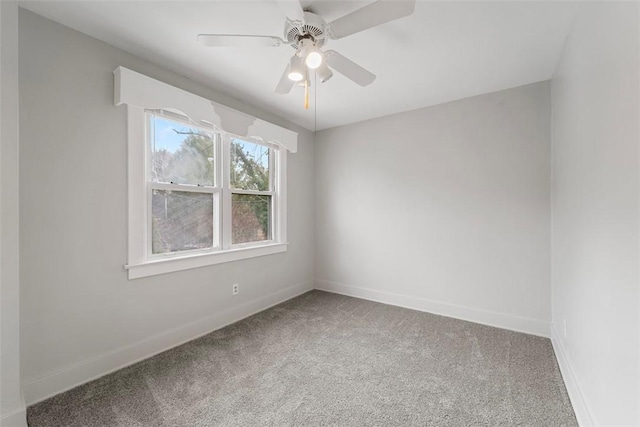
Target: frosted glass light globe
295,76
314,59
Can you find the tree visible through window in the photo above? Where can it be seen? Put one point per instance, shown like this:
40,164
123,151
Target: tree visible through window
188,206
251,198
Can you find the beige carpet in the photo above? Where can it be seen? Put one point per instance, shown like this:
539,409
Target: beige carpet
326,359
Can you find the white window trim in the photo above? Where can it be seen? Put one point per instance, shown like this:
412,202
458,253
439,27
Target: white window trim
140,264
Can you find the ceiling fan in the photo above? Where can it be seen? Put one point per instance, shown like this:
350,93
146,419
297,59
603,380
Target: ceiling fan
308,32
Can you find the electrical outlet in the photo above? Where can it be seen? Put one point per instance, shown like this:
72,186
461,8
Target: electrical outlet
234,289
564,328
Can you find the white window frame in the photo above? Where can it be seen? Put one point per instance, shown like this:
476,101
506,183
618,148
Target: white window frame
141,263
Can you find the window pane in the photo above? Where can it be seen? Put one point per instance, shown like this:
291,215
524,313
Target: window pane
181,154
250,218
181,220
249,166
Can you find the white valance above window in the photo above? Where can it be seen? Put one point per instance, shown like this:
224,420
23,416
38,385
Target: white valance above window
133,88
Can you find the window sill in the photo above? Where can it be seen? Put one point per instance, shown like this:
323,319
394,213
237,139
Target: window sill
169,265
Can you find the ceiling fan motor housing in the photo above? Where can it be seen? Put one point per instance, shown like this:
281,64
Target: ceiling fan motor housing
313,27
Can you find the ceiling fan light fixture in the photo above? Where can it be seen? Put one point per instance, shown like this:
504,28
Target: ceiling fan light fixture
324,72
314,58
296,69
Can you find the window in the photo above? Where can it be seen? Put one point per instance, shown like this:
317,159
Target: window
189,198
202,189
251,192
207,191
184,198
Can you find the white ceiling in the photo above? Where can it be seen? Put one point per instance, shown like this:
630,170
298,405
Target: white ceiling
446,50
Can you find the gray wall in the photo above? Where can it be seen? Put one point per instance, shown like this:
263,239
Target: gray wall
596,217
444,209
12,411
80,314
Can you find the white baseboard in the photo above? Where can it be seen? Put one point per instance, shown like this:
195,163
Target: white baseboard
580,407
38,389
485,317
15,418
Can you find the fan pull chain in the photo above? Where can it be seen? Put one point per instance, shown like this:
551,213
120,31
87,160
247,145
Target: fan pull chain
306,94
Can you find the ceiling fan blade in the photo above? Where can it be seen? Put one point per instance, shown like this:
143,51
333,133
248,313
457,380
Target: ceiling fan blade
372,15
292,9
237,40
349,69
285,84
